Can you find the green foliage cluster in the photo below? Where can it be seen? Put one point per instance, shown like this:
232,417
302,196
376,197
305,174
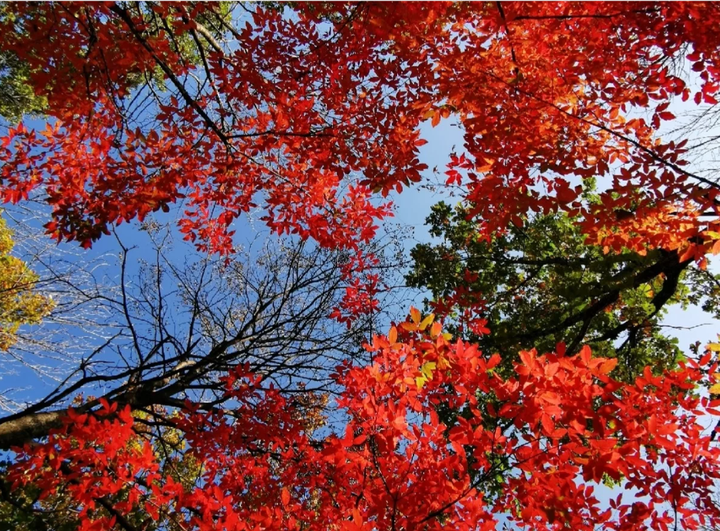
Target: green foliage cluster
541,284
17,96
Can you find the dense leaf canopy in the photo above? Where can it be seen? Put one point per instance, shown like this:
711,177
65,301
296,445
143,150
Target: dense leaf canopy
578,222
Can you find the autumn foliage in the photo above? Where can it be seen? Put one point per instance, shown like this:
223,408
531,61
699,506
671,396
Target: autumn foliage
400,462
310,120
20,303
311,112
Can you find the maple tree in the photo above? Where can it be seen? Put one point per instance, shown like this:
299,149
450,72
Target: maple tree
18,97
312,111
261,115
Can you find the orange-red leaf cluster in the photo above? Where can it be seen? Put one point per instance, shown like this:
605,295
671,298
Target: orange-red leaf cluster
397,465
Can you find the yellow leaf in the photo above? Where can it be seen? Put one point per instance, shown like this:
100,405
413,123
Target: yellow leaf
715,389
427,369
427,321
19,302
715,347
420,381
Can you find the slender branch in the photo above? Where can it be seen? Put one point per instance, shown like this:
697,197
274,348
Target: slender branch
125,17
202,30
669,265
653,155
578,16
119,518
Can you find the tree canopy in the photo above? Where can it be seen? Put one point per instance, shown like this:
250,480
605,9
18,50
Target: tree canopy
337,91
252,391
541,284
20,301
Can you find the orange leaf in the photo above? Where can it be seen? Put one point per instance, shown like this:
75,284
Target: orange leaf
392,335
415,315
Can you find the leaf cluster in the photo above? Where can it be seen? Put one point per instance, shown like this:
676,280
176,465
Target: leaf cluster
20,301
541,284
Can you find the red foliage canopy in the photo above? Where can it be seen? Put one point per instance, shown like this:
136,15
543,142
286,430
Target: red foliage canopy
398,464
311,112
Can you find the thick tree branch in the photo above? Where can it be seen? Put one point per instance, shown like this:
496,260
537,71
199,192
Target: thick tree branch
668,264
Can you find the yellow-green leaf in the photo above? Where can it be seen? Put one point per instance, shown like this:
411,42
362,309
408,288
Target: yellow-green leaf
427,321
427,369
